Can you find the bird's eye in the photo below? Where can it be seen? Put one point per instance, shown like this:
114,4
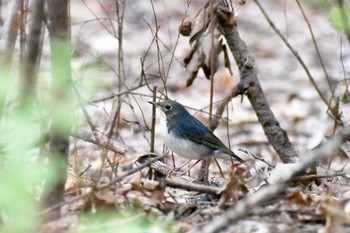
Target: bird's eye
168,107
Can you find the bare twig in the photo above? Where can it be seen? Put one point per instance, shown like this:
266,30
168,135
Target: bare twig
160,61
176,43
315,176
203,171
103,142
316,46
153,119
120,10
212,60
100,19
258,158
300,60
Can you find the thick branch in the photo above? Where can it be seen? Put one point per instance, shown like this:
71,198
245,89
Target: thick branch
250,85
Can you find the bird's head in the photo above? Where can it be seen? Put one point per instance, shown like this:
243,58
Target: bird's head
170,108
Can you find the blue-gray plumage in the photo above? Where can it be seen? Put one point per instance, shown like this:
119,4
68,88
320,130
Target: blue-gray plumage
187,136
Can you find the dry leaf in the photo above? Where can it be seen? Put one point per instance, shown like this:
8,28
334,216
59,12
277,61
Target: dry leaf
300,198
232,187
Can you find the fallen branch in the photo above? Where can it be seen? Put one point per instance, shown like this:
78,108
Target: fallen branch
181,184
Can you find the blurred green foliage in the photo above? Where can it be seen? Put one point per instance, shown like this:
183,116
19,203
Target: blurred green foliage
340,18
24,166
110,222
22,173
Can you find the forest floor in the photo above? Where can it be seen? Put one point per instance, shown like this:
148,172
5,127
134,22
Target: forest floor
143,205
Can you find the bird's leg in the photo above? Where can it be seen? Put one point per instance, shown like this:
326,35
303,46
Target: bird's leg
204,171
189,168
178,169
185,163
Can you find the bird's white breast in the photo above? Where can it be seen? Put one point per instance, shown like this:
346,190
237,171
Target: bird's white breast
180,146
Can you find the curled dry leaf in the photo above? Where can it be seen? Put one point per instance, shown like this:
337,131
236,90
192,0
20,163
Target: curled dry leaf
153,190
202,28
185,28
233,187
300,198
199,24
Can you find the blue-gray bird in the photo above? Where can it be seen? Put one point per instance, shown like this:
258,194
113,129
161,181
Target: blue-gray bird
187,136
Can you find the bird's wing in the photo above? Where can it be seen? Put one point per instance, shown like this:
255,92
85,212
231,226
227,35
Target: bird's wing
194,130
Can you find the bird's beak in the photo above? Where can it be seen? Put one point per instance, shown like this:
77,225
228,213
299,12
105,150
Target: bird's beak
153,103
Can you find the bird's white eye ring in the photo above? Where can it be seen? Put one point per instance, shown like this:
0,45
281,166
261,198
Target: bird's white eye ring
168,107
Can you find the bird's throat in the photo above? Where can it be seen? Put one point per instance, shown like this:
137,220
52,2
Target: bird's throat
163,124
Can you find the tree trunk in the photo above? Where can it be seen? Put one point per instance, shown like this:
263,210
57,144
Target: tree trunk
59,29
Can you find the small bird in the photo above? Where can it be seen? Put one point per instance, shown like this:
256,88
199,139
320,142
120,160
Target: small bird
187,136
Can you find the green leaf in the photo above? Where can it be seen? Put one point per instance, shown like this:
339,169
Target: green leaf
340,18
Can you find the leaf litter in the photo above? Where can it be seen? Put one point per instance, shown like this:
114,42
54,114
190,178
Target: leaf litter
319,204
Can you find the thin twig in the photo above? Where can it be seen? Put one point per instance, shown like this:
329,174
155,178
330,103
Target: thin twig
160,61
258,158
176,43
295,53
315,176
153,119
316,46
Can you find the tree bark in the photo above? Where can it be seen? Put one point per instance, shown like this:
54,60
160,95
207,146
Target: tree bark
249,85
